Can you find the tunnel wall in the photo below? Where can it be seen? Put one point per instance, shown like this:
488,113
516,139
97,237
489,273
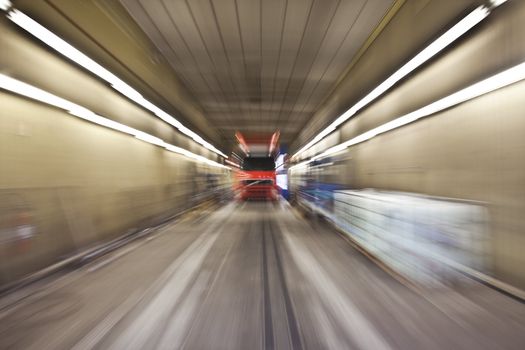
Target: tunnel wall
105,32
415,24
67,184
473,151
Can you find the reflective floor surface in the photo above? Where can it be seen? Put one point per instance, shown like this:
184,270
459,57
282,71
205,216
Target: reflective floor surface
251,276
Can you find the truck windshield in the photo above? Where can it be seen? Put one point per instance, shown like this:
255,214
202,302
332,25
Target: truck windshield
258,163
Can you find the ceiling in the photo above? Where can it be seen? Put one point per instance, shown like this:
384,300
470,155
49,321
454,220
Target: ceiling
258,65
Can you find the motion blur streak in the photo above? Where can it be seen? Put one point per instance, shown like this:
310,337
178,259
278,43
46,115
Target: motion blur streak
204,287
78,57
27,90
498,81
426,54
400,227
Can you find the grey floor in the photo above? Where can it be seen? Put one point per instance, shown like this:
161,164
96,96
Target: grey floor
251,276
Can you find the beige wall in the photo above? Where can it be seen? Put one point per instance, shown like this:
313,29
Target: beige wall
74,183
473,151
103,30
413,26
78,183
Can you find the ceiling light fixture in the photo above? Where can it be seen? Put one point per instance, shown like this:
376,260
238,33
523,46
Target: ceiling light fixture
496,3
5,5
232,163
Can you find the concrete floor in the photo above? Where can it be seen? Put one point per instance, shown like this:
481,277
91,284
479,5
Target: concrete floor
250,276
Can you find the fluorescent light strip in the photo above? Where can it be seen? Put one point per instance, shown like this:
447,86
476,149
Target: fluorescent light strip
24,89
299,165
232,163
496,3
5,5
64,48
430,51
498,81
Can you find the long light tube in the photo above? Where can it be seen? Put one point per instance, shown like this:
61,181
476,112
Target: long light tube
232,163
458,30
496,3
67,50
495,82
30,91
5,5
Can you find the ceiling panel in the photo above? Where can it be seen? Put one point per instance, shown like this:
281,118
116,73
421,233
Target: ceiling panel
258,65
